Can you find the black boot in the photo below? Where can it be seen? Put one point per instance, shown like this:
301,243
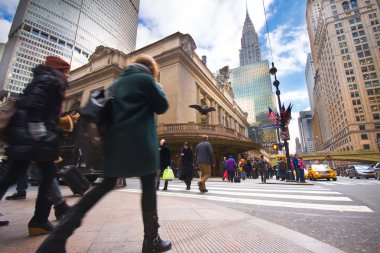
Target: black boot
56,241
39,224
60,210
152,241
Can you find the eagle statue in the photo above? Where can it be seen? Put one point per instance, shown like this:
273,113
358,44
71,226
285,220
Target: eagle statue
204,110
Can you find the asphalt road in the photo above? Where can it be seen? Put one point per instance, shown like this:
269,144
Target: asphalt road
349,231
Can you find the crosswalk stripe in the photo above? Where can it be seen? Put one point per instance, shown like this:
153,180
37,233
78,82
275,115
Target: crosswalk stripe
263,190
328,207
267,195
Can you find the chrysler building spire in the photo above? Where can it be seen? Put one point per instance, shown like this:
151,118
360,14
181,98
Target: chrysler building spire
250,51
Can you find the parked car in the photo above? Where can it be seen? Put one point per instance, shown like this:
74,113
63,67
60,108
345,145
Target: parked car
377,170
321,171
360,170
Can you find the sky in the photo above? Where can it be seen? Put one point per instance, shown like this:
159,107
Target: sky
216,27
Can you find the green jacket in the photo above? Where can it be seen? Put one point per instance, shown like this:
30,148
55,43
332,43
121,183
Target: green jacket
131,142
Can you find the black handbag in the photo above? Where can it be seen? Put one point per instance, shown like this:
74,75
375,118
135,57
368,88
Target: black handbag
98,110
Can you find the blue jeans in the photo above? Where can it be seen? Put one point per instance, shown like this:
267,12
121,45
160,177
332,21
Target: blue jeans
55,193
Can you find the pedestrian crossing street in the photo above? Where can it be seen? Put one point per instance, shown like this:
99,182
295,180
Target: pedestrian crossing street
272,195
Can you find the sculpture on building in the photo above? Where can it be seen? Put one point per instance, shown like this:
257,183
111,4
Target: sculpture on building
204,110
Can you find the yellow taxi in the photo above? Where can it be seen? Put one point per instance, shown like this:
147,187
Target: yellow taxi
320,171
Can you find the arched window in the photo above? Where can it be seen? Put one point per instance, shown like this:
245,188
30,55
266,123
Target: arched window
346,7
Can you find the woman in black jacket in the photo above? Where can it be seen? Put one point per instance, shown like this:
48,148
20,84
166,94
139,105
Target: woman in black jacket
33,135
186,165
165,161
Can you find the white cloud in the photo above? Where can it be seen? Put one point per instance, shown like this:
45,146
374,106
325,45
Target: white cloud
290,46
216,26
295,96
5,25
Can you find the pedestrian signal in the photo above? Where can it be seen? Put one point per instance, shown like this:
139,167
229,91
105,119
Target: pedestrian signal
275,147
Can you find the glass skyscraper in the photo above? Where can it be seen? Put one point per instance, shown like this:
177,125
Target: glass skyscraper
253,93
70,29
251,84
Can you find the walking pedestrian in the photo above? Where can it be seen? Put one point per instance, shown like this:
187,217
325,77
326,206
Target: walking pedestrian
60,206
165,161
223,168
296,167
301,169
231,168
248,169
33,135
186,163
204,158
282,168
263,169
131,139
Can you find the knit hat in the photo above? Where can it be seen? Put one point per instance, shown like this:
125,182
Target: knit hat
57,63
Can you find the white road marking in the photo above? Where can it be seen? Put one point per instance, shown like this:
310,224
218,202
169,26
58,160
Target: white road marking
328,207
326,191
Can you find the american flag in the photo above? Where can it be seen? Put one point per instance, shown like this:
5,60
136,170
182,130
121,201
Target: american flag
272,115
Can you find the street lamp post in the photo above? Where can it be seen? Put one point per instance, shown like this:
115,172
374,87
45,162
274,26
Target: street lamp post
284,127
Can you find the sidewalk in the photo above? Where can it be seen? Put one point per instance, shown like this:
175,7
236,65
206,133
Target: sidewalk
192,225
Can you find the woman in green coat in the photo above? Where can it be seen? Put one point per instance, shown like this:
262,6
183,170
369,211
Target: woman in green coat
130,149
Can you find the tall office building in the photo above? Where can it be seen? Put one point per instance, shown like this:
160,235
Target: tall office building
70,29
304,126
250,51
298,145
309,75
251,84
346,56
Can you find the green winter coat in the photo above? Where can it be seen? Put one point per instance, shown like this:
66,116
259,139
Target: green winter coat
131,142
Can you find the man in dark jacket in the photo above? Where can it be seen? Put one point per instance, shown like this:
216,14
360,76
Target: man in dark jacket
33,135
165,161
204,157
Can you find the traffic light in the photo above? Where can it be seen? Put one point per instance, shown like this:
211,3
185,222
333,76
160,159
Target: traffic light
277,147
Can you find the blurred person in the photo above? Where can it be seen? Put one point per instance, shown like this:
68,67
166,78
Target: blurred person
248,169
33,135
66,123
282,168
187,165
231,168
165,161
204,159
263,169
301,169
223,167
130,150
296,166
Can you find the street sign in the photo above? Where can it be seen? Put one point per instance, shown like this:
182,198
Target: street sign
269,127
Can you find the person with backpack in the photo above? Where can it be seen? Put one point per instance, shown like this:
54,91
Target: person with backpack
33,135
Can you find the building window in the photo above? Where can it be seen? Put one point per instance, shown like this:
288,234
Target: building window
346,7
366,146
354,4
361,127
376,116
377,126
364,136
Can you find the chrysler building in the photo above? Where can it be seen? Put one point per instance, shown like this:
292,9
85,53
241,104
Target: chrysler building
250,48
